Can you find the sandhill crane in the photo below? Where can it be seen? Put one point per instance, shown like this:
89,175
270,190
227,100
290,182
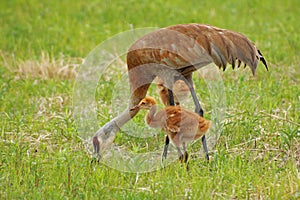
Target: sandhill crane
173,53
179,124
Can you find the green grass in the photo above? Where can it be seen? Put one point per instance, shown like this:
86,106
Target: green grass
41,155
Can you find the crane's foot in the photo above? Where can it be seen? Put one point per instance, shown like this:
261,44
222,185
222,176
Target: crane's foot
183,159
96,159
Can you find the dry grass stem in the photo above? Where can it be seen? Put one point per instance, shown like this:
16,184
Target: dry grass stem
279,118
46,67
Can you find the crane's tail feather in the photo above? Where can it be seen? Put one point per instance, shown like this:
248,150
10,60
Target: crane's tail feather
262,59
225,46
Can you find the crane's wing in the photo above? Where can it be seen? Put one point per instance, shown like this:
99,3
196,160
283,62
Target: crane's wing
184,45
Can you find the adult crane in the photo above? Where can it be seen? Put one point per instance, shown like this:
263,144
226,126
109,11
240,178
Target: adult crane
174,53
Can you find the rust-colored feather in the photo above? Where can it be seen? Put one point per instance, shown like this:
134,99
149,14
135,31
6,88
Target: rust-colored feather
181,125
183,45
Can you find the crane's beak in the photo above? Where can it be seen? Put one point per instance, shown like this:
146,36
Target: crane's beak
135,108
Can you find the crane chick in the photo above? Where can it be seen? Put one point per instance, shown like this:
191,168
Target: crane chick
181,125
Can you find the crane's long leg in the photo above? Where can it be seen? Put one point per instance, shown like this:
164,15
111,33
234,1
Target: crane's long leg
180,155
167,139
185,156
205,147
198,110
165,152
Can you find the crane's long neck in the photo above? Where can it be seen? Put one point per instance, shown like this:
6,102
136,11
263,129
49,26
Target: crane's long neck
106,134
151,118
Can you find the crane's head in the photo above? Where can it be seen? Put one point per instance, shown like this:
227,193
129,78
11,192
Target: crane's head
145,103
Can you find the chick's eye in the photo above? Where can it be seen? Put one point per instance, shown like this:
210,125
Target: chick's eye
143,103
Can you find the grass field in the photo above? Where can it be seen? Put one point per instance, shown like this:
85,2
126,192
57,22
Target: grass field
42,44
